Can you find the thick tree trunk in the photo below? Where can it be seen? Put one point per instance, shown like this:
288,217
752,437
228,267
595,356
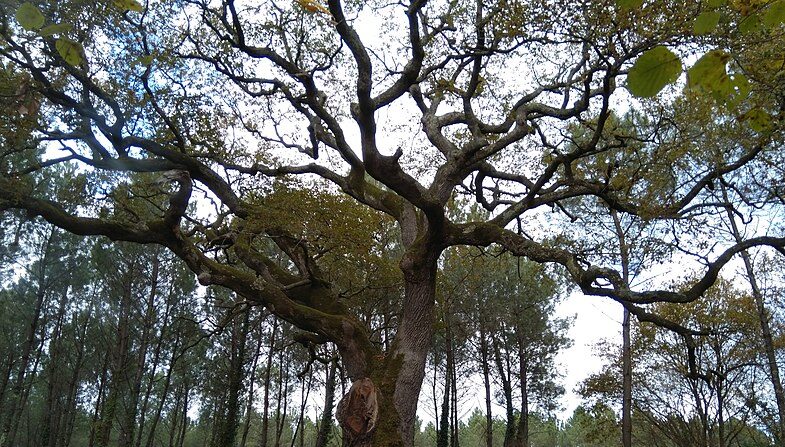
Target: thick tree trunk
412,343
380,408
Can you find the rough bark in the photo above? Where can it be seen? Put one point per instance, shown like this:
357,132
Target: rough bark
358,413
395,378
413,341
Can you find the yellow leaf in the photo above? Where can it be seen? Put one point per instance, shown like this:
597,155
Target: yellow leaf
313,6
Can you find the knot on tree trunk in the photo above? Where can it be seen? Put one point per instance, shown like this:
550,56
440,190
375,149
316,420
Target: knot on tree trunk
358,412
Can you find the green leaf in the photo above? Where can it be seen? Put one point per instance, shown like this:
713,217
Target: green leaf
71,51
129,5
629,4
758,119
51,30
29,16
706,22
145,60
738,90
652,71
750,24
775,14
715,3
709,72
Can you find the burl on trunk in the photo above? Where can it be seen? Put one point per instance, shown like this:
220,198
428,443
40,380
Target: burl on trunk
358,413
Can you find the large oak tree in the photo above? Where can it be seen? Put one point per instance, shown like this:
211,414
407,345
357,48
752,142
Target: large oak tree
180,113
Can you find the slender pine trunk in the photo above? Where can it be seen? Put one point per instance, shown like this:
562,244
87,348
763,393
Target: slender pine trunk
486,376
326,421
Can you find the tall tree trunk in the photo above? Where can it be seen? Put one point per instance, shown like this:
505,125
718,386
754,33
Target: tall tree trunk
266,400
119,365
326,421
380,407
413,341
74,382
150,318
228,420
164,393
282,397
184,414
509,432
175,415
763,319
522,432
486,376
454,424
626,400
251,381
55,388
305,390
442,436
100,402
8,371
19,391
129,423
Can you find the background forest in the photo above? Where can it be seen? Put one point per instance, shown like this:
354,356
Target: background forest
117,345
